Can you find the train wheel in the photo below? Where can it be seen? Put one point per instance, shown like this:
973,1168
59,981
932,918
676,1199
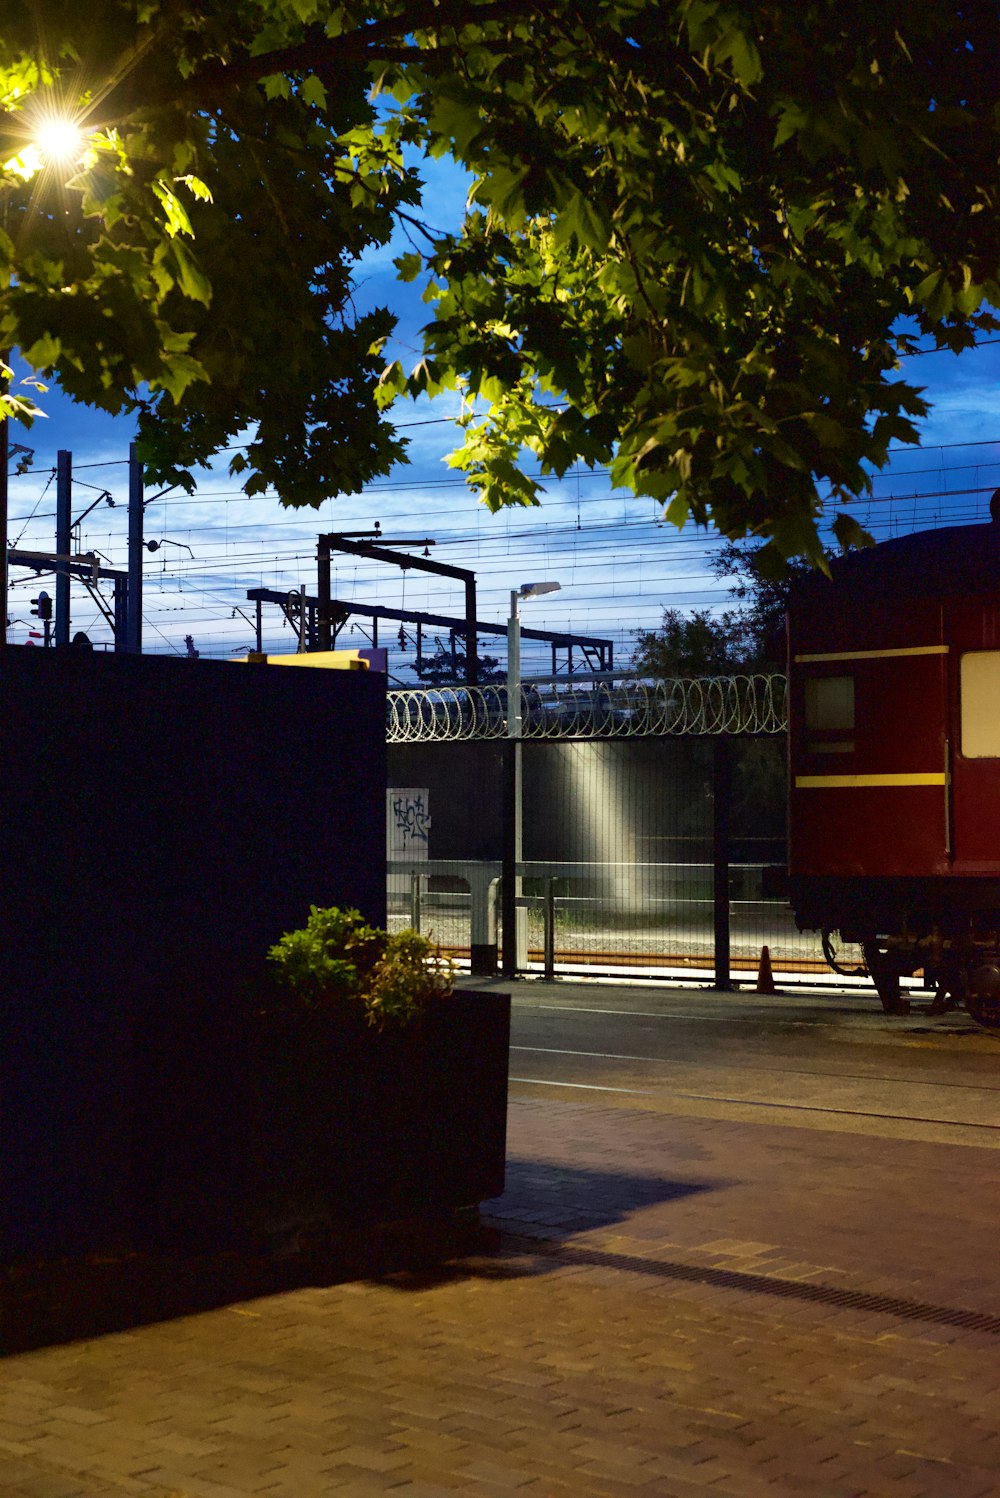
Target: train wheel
982,998
985,1013
885,975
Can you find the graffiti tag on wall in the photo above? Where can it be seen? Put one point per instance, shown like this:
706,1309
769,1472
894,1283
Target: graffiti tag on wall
409,822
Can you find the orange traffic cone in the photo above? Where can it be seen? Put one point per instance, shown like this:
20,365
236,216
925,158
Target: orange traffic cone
765,977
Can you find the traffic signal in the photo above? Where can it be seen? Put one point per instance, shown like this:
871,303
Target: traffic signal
41,606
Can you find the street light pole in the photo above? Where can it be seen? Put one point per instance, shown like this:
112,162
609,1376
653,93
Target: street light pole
514,669
515,932
513,954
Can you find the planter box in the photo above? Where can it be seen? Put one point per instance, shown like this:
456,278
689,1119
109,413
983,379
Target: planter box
306,1121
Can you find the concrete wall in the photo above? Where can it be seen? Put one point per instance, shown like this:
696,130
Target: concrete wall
623,800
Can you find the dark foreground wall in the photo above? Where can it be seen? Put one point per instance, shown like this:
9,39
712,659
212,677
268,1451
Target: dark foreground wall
162,823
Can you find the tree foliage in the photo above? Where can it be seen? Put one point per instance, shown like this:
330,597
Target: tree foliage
700,235
750,637
447,668
695,644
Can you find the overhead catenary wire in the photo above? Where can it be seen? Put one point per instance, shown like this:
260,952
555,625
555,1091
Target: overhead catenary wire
655,565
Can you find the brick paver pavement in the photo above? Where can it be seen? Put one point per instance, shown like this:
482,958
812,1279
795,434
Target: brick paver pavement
591,1361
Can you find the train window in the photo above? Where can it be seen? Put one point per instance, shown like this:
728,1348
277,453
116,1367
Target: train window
830,714
980,682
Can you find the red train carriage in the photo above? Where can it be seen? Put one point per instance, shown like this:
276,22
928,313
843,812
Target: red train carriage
894,761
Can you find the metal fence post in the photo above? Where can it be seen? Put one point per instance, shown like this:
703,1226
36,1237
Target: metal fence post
482,924
550,929
722,784
415,901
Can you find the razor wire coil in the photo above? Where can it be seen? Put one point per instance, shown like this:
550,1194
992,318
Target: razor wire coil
744,704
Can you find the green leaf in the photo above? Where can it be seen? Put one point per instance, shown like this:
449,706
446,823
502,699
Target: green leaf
770,564
276,86
581,220
742,51
177,373
177,221
791,120
677,512
795,535
503,191
849,533
196,187
191,279
313,92
830,433
456,120
799,220
392,382
409,266
44,352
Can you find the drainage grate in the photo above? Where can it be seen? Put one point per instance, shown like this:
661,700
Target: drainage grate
758,1284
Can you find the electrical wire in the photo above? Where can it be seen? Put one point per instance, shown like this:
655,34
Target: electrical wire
38,501
617,567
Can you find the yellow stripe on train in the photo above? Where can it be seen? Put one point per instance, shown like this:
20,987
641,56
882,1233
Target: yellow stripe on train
851,782
872,655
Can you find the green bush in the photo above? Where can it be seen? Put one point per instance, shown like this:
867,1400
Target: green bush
337,959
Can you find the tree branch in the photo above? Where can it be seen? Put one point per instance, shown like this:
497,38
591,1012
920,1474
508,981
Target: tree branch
384,40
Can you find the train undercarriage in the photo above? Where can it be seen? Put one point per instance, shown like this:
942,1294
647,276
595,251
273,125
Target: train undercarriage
946,929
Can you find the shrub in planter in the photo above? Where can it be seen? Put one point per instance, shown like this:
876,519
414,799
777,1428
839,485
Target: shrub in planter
337,960
355,1084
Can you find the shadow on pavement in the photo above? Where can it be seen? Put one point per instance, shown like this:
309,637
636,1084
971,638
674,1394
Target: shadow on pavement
546,1202
572,1198
46,1304
51,1303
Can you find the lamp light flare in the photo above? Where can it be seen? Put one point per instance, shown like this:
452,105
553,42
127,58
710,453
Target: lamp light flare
59,141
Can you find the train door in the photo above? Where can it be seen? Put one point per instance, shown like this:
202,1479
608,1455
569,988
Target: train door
975,774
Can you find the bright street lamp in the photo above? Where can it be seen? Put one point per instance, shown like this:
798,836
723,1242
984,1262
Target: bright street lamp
58,140
515,929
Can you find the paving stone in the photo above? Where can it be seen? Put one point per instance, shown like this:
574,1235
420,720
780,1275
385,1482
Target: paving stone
529,1372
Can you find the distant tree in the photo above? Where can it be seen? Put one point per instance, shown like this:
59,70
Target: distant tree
446,668
695,644
762,597
750,637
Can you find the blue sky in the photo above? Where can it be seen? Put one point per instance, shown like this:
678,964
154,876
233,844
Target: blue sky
617,564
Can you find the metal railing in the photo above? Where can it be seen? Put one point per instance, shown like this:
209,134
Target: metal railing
652,920
622,708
